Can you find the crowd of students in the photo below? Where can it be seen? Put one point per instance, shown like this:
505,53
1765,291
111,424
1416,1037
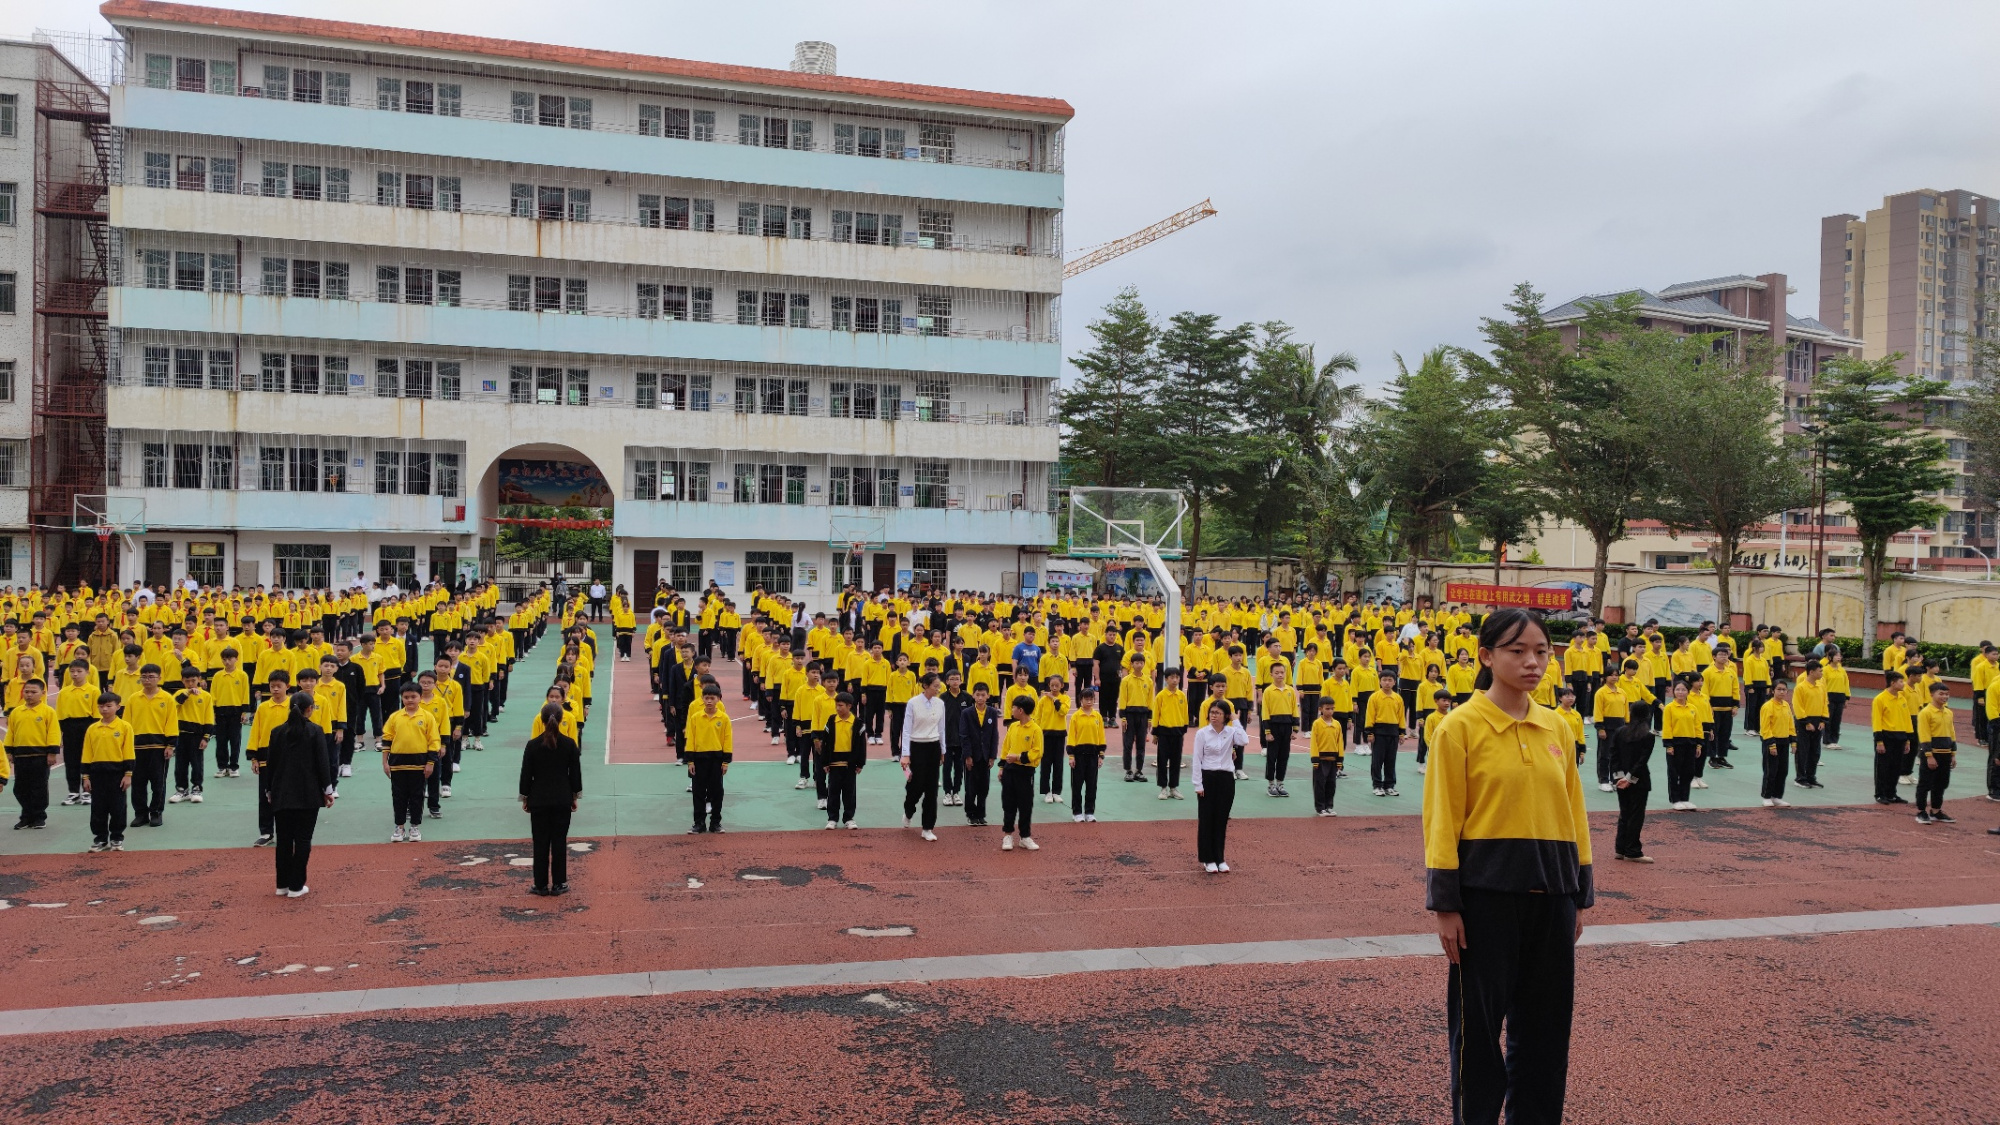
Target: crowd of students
1030,692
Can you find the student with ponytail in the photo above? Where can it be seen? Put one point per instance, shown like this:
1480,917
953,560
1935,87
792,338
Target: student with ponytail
1507,853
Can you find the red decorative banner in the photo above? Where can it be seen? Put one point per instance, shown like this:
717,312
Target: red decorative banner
550,524
1530,597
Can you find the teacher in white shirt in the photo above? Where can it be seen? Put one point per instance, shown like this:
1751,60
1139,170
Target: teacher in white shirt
1214,768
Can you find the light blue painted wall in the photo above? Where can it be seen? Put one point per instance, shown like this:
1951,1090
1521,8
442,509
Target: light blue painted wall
206,509
370,321
640,519
141,107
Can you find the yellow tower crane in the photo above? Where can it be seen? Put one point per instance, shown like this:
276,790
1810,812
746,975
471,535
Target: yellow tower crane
1095,256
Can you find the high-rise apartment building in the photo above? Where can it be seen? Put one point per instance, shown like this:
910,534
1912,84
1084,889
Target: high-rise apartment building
374,292
1916,277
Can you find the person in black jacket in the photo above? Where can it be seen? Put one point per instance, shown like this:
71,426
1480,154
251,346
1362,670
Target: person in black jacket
1108,657
845,746
979,732
956,702
1631,772
301,783
551,783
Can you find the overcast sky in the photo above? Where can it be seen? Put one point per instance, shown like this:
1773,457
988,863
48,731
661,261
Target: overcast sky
1385,172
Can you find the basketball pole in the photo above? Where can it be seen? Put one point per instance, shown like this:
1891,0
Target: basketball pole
1170,654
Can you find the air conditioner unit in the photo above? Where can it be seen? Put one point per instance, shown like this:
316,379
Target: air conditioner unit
1016,501
1017,417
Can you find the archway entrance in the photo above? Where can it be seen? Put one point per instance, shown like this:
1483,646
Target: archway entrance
546,512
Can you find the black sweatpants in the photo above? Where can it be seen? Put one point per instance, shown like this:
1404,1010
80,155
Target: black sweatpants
1017,798
1808,754
1053,742
707,773
1725,731
550,829
229,738
1777,759
1888,763
1631,820
295,845
188,756
1083,780
406,796
1382,761
107,803
1324,773
1606,729
921,788
73,731
951,770
1518,968
1836,709
1212,805
1276,734
31,786
840,790
1932,780
1167,756
978,784
1682,754
149,782
1133,748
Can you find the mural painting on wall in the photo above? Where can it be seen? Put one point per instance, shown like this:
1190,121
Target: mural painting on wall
1581,599
1677,605
563,484
1383,587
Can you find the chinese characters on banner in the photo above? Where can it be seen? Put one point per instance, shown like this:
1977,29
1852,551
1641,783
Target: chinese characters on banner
1528,597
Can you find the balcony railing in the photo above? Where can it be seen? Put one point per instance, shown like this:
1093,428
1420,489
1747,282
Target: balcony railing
80,299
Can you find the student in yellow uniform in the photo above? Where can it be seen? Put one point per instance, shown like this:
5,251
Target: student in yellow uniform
845,742
1680,731
1385,722
155,727
710,747
1277,717
1809,707
1722,681
33,745
229,694
76,711
410,744
1021,752
196,709
1778,731
270,715
1439,704
1086,744
1427,689
1170,726
1891,722
1328,744
1610,710
1572,719
107,773
1135,706
1937,739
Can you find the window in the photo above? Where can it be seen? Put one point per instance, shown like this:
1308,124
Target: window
576,294
159,71
749,129
222,175
222,466
7,293
934,229
704,125
336,185
936,142
305,278
447,475
685,571
277,81
802,135
579,113
522,104
190,173
303,566
802,222
388,472
10,114
646,390
934,316
398,565
335,276
339,87
448,381
933,400
222,273
276,181
188,368
419,191
204,563
770,569
308,86
153,465
13,466
416,474
657,301
159,170
271,469
699,392
419,97
867,228
702,215
154,366
746,483
6,380
933,483
190,271
868,140
930,565
188,465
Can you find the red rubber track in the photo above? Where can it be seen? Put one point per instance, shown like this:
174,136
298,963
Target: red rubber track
385,915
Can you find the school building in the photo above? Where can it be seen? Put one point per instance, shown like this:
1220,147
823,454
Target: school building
372,290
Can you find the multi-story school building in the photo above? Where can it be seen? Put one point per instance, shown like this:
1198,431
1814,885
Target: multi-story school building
19,65
374,289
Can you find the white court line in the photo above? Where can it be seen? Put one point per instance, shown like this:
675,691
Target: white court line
111,1017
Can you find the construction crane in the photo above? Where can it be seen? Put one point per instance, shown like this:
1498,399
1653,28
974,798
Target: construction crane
1096,256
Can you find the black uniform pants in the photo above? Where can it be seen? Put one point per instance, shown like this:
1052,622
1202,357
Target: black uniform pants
550,828
1836,709
31,786
840,791
295,845
921,788
188,757
1133,747
1888,763
1931,780
1382,761
1518,969
707,771
73,731
229,738
978,785
1325,771
1212,805
149,782
1808,754
107,803
1725,730
1053,742
1017,797
1631,820
951,770
1083,780
1167,760
1276,734
1607,728
1682,755
406,796
1777,759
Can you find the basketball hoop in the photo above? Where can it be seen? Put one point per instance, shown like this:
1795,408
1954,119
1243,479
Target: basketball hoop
103,533
854,550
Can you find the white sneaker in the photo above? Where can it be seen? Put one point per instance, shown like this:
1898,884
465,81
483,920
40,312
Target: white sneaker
300,893
1780,803
1208,867
1394,792
415,836
801,784
851,824
1605,787
1006,843
1420,769
906,822
194,797
1906,779
1698,783
929,835
444,790
1163,794
1176,794
1222,867
282,892
1769,803
1078,818
1090,818
1380,792
179,796
822,804
1028,842
347,771
1241,776
791,759
830,824
396,837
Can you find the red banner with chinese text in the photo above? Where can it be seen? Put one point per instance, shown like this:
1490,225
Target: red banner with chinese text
1528,597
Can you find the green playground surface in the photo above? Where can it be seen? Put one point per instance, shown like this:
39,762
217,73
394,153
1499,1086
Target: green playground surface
652,799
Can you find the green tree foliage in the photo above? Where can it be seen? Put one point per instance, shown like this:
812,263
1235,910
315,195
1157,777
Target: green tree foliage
1291,405
1204,375
1108,416
1711,419
1879,460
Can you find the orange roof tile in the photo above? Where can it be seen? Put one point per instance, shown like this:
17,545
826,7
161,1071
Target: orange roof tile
154,11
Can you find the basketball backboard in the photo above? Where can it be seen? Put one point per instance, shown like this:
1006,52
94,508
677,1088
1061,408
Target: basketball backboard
1107,523
858,533
108,515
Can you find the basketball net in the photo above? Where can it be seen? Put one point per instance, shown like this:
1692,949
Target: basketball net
103,533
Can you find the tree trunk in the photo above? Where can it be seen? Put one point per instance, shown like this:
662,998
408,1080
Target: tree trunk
1725,562
1598,576
1194,539
1410,572
1872,557
1499,549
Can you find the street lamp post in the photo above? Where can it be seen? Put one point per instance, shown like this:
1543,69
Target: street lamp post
1819,525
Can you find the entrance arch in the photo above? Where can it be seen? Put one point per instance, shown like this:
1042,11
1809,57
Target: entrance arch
537,480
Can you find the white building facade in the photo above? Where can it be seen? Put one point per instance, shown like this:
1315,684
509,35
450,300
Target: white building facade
372,285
